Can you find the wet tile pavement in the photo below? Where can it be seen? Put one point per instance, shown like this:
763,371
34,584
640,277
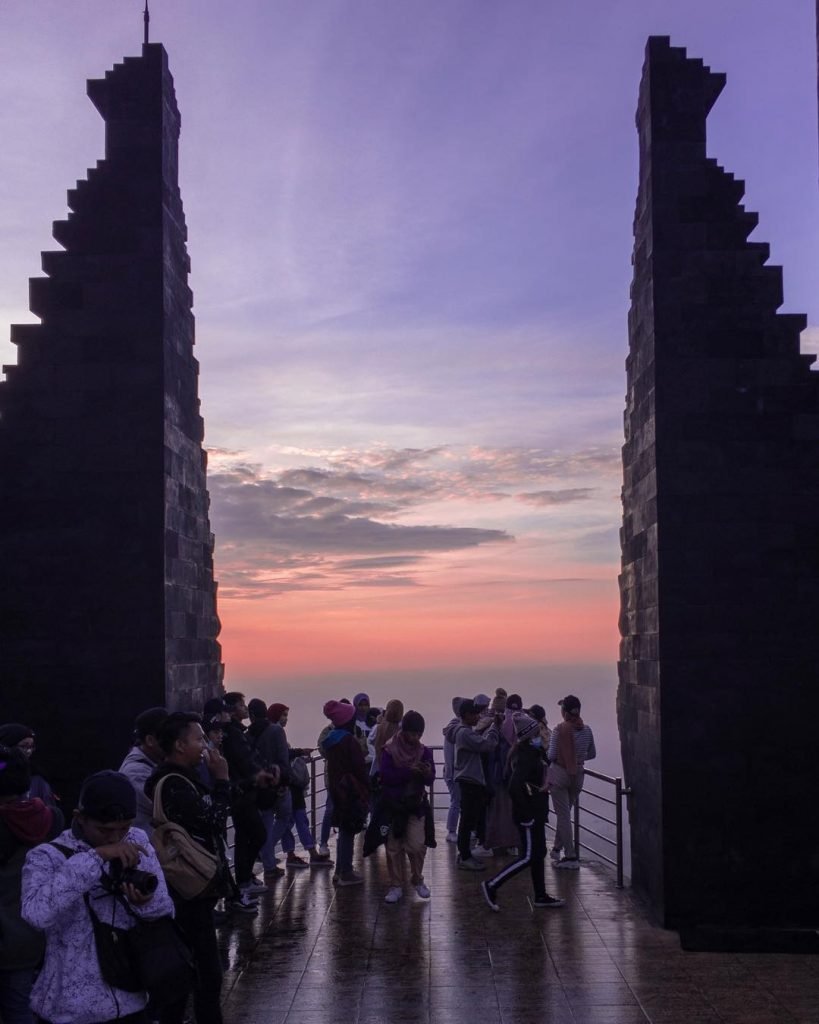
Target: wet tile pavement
317,955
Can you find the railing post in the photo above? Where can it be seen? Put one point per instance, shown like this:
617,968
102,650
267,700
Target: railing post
577,826
313,797
618,819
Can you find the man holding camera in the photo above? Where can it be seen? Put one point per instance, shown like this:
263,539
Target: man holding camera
84,871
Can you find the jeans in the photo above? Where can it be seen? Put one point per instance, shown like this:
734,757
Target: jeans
15,992
278,821
454,805
564,790
249,835
473,814
344,851
531,854
303,829
195,921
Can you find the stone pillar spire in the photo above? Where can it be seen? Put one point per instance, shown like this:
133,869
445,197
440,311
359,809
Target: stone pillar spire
107,596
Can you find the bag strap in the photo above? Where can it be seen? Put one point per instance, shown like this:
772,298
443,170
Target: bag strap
161,818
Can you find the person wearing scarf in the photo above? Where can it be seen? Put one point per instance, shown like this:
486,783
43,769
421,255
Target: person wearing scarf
571,745
407,768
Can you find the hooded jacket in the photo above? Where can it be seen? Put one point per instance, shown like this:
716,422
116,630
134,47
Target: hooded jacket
137,768
469,746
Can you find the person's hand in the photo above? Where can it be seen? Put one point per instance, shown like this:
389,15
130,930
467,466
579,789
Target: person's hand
268,779
133,895
216,764
126,852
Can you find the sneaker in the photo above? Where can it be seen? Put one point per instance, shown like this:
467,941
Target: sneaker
270,874
548,901
481,851
394,895
254,886
324,850
293,861
319,860
569,864
452,837
350,878
243,905
470,864
489,896
555,854
423,891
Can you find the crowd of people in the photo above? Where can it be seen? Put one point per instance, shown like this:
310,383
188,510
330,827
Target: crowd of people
148,842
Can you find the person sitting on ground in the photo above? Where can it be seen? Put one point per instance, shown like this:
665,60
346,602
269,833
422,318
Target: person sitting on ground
203,815
68,880
470,745
348,784
527,789
13,734
572,744
24,822
141,760
407,769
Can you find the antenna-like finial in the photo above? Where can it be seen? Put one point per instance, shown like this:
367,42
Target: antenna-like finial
146,17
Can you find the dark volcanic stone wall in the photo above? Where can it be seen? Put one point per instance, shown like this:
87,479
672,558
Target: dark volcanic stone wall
107,596
719,665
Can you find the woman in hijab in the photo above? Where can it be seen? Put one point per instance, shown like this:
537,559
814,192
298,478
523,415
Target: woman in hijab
407,768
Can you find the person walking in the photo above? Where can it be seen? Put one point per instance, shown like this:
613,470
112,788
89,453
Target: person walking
407,769
527,790
571,745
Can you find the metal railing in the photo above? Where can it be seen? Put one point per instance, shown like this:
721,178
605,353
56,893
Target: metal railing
595,806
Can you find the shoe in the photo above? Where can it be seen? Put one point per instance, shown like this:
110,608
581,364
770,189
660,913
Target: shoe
452,837
394,895
324,850
489,896
293,861
569,864
254,886
423,891
350,878
470,864
481,851
548,901
555,854
271,874
243,905
319,860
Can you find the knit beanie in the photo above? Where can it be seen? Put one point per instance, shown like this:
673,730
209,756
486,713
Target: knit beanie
525,727
498,705
15,774
338,713
108,796
413,722
275,712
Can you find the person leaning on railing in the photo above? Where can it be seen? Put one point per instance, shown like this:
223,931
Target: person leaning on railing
571,745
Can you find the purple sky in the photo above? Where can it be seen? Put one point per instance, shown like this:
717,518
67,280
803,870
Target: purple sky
410,229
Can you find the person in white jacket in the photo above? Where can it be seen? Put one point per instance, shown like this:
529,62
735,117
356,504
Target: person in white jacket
57,878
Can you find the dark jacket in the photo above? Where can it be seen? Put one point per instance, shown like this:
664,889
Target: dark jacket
268,742
239,755
403,787
528,803
186,800
348,780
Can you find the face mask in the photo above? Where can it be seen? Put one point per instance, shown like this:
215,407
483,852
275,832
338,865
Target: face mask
537,741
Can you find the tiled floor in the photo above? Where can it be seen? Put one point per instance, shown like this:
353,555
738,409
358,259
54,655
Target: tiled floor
317,955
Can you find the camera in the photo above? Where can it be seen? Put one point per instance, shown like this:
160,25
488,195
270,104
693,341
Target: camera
118,876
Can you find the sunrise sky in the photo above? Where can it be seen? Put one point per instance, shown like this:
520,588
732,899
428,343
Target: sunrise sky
410,231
